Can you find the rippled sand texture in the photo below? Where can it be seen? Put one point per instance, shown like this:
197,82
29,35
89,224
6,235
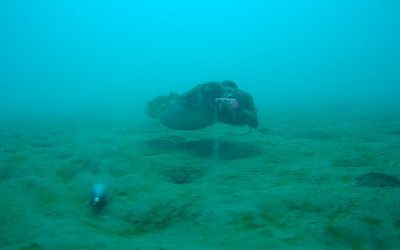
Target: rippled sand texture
301,181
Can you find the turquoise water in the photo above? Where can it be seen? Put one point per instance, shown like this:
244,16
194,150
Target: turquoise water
320,172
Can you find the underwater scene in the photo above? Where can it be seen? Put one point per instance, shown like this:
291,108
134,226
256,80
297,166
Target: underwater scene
199,124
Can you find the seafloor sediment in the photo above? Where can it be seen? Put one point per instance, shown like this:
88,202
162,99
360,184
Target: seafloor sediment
303,180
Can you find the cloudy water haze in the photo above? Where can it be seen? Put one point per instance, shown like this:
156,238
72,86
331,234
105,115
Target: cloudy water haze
58,56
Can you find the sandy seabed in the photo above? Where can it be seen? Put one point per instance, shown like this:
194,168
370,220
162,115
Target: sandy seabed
303,180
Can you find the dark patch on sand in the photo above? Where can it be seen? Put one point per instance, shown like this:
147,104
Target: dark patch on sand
354,160
182,174
155,218
32,246
377,180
